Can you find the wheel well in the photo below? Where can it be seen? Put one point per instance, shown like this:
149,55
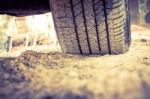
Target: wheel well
24,7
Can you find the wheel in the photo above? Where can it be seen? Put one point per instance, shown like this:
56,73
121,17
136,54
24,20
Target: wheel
92,27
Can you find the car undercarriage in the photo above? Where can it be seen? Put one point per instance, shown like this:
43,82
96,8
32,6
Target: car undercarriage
24,7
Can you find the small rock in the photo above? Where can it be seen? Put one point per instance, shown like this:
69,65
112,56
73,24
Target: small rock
143,40
145,61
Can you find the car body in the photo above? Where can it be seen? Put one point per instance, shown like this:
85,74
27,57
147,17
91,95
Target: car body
24,7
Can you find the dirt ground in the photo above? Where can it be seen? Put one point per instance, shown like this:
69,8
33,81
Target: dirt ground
56,75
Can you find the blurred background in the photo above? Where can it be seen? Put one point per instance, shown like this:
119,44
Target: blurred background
138,11
18,34
37,32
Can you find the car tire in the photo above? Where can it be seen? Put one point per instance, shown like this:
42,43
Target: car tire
92,27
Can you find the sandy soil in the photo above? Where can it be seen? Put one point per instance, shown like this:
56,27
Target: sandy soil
56,75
